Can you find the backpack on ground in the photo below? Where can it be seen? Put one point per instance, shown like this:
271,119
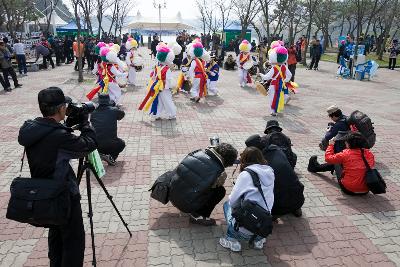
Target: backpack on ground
250,215
364,125
160,188
279,139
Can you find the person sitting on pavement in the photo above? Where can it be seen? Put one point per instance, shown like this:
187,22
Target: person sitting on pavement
352,181
198,185
288,190
230,63
244,189
339,125
104,120
275,136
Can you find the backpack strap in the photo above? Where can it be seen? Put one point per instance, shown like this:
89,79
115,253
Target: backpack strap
257,183
365,161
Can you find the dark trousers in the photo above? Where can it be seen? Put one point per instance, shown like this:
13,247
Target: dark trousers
90,61
9,71
314,62
67,242
3,83
215,196
59,58
111,147
76,63
392,63
69,54
21,59
50,59
292,69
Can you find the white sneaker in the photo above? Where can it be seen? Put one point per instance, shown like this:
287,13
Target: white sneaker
259,244
231,243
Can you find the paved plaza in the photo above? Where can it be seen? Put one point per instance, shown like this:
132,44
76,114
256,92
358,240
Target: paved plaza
335,229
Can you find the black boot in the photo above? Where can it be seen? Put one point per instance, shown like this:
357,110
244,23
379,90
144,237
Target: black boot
314,166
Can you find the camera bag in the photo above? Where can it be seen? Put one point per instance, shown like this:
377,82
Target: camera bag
250,215
40,202
160,188
373,178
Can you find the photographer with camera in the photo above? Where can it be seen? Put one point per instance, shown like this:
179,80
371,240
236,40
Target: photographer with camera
197,184
49,146
104,120
338,126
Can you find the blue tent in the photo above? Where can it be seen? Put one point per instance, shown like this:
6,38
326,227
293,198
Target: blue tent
71,28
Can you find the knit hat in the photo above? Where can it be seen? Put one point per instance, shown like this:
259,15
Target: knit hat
245,46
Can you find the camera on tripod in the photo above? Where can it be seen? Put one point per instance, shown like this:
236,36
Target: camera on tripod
78,113
214,141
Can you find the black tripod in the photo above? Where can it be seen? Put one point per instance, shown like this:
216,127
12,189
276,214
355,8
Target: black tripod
86,166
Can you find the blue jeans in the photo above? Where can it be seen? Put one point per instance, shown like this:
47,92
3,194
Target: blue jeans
21,59
230,231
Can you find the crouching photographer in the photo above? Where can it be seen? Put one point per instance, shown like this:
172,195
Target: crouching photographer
49,146
196,186
104,120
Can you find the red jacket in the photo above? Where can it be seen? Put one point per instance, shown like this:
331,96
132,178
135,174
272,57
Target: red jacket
292,56
353,177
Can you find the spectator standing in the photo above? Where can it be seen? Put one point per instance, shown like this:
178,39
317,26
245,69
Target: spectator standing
292,61
79,53
68,49
6,67
316,55
394,50
19,50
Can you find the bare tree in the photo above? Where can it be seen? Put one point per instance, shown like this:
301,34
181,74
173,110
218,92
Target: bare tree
16,13
225,8
87,8
76,4
50,7
201,6
123,13
246,11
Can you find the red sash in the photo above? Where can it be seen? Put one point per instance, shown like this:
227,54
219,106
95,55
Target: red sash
200,73
277,77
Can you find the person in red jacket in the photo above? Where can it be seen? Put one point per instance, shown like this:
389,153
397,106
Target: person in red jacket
292,61
352,180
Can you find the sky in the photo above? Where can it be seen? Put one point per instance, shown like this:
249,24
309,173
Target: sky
187,8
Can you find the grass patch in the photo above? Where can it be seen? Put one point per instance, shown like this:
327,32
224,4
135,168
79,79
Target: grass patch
381,63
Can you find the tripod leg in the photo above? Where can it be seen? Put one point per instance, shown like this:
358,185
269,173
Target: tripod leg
90,214
109,197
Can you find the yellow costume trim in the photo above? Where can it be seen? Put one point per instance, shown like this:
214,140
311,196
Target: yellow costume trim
158,87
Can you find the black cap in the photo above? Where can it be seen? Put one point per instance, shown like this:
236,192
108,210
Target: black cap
254,140
52,96
272,124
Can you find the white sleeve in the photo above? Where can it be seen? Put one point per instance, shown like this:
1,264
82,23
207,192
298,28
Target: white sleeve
128,59
239,188
288,75
191,69
168,79
116,72
268,75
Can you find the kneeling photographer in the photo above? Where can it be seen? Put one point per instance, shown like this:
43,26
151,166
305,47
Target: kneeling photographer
197,183
104,120
49,146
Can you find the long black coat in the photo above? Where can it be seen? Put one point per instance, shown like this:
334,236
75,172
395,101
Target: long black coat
288,190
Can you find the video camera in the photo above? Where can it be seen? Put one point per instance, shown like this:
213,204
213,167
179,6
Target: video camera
78,113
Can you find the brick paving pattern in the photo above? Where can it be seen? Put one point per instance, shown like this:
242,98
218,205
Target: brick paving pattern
335,229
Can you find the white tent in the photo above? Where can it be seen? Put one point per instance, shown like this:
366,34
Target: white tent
153,24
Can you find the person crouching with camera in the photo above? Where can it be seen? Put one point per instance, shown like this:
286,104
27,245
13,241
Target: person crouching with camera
104,120
252,166
197,186
49,147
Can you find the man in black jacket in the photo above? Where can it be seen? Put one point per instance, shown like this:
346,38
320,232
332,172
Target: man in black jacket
288,190
104,120
197,186
49,147
274,136
339,125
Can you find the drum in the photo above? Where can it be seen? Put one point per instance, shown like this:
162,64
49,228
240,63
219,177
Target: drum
138,68
248,64
262,88
187,85
253,70
121,80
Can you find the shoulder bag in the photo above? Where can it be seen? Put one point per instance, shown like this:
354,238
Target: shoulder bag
373,178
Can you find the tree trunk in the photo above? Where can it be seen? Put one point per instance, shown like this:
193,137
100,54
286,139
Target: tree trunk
78,36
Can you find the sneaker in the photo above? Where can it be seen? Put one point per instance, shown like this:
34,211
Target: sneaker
201,220
273,114
18,86
259,244
230,243
297,213
108,158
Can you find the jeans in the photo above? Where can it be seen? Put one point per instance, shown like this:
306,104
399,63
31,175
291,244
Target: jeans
67,242
314,62
9,71
230,231
111,147
215,195
21,59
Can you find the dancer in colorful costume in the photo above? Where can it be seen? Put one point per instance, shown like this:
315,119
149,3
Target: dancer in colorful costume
109,70
131,46
183,81
280,78
159,98
197,72
244,63
212,69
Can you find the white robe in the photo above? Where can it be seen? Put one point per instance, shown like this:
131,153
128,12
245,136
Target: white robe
114,90
132,70
195,91
271,90
242,72
166,108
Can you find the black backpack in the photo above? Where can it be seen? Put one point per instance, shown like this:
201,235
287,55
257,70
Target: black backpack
250,215
364,125
280,140
160,188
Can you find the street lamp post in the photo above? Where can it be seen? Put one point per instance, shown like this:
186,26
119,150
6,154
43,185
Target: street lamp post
159,4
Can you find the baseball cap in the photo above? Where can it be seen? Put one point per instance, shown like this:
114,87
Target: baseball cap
332,109
52,96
